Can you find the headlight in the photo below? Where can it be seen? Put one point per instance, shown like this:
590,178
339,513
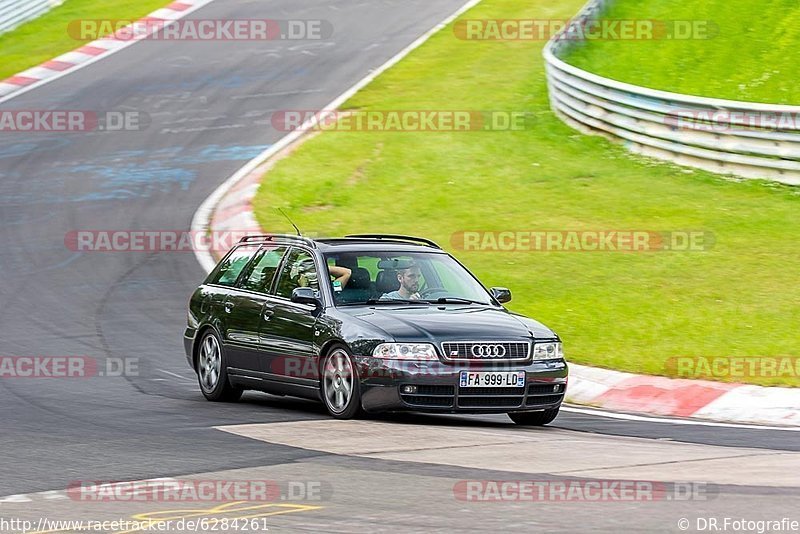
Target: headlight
405,351
547,351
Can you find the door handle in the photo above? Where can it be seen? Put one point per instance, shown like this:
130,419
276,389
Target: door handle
228,307
268,314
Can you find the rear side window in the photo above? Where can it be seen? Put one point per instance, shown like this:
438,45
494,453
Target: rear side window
230,269
262,270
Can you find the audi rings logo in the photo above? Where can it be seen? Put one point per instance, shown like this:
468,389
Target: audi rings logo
488,351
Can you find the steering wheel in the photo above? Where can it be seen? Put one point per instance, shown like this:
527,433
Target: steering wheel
427,292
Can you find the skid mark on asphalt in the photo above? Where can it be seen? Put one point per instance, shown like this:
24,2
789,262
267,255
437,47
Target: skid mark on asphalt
124,174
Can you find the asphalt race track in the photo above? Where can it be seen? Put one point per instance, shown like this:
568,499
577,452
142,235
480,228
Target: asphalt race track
209,105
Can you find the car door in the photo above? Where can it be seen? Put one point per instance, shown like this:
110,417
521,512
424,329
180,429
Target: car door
246,307
223,278
289,332
221,286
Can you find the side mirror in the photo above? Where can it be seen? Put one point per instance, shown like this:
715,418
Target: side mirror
501,294
306,295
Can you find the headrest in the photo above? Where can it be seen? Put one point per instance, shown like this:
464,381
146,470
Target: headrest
359,279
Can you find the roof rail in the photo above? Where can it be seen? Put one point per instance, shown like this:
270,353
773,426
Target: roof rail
279,238
397,237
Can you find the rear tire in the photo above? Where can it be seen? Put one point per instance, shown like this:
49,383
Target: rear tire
212,370
534,418
340,386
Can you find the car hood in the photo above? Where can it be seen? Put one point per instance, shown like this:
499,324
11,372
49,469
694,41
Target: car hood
442,323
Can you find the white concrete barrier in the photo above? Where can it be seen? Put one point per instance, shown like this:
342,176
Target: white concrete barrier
15,12
748,139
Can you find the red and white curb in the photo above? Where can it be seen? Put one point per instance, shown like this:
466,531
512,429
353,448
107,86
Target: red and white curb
94,51
700,399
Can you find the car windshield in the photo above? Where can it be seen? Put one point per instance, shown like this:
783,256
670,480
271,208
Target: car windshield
407,278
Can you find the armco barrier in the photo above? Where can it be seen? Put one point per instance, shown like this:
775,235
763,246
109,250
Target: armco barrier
15,12
751,140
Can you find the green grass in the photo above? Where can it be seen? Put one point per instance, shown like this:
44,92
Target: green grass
628,311
753,57
44,38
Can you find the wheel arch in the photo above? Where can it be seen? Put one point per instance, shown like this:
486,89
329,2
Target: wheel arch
196,343
324,350
328,346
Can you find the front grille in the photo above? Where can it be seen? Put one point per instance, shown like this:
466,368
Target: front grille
431,389
508,397
434,395
476,402
486,350
424,400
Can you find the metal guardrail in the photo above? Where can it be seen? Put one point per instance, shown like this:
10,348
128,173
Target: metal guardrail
747,139
15,12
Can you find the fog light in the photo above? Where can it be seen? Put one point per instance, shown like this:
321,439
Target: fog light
409,389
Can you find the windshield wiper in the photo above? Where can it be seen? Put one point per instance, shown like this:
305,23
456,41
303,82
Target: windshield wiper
394,301
456,300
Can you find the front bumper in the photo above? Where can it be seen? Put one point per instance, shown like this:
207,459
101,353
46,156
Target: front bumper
188,344
438,390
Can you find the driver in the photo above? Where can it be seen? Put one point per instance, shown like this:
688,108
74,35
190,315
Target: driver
409,284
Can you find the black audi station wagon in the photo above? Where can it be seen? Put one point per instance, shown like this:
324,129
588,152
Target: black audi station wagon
369,323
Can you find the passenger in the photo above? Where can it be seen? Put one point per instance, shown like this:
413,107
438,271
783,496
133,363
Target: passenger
340,275
305,274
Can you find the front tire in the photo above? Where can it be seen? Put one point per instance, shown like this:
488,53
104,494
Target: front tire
534,418
341,391
212,370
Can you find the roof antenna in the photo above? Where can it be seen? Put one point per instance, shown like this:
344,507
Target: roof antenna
290,222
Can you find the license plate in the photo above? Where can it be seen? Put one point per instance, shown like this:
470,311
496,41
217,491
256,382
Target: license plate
514,379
